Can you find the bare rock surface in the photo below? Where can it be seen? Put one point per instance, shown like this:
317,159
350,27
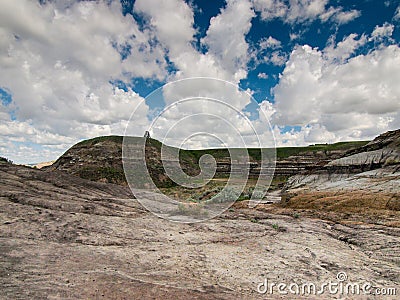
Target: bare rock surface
383,151
376,157
62,237
385,180
366,182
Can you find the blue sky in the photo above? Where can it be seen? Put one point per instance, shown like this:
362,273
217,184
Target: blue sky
324,70
312,32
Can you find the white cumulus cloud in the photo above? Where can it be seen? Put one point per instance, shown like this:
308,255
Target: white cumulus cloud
300,11
57,61
345,98
386,30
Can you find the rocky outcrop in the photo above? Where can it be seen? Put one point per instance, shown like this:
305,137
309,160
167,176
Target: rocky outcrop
96,159
382,151
390,139
369,159
367,178
305,161
374,182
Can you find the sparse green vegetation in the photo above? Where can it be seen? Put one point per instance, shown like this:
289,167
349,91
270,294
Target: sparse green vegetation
227,194
278,182
282,152
285,152
213,192
112,175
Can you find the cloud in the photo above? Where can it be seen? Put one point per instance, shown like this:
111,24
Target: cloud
172,24
270,43
343,95
58,59
57,62
268,51
270,9
301,11
172,20
294,36
226,57
396,16
262,75
212,108
386,30
277,58
345,48
343,17
83,35
226,34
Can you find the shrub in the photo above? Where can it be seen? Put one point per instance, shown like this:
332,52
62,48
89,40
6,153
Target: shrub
258,194
226,195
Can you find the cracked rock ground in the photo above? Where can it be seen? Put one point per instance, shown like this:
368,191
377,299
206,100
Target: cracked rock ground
62,237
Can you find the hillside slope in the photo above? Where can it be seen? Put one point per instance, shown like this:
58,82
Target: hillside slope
365,180
99,159
384,150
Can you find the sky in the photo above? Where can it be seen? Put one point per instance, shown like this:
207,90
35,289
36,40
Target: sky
321,70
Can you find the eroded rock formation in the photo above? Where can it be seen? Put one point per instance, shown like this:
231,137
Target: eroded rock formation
364,179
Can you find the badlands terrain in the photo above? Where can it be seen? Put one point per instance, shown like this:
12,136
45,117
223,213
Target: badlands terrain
72,231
